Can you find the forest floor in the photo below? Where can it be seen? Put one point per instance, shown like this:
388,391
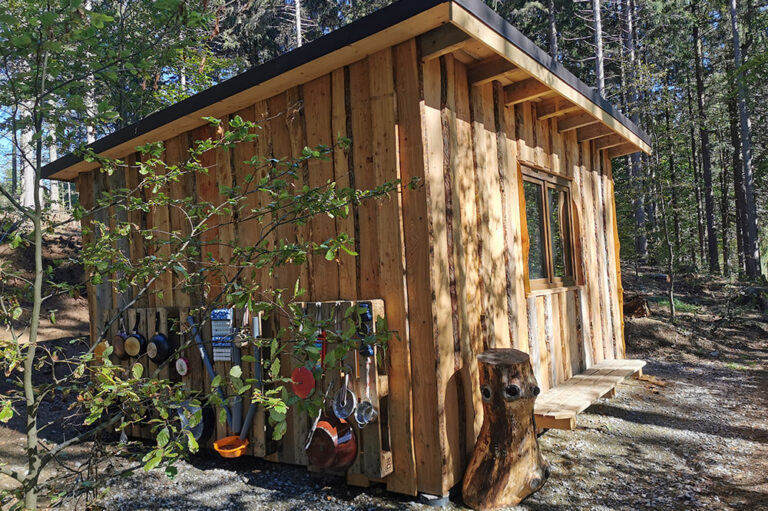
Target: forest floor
697,441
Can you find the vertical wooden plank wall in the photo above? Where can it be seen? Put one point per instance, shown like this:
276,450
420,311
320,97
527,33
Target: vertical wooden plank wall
446,258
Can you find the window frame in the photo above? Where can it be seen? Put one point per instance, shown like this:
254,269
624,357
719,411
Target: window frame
549,181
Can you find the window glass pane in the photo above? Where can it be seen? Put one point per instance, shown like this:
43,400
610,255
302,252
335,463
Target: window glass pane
560,228
534,211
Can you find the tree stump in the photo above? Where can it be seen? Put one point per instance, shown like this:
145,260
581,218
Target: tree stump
506,465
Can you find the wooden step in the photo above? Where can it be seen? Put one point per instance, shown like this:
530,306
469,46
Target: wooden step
557,408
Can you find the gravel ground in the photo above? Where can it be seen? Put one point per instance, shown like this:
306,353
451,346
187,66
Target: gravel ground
698,442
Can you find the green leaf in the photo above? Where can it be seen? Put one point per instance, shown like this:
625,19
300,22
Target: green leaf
138,370
163,437
279,430
6,413
216,381
191,442
236,372
153,462
16,314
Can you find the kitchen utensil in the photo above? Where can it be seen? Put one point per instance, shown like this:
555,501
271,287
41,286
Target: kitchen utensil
317,419
203,430
365,412
159,346
118,342
345,401
135,344
182,366
230,446
333,444
302,382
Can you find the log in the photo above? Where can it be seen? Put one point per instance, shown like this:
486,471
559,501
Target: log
506,465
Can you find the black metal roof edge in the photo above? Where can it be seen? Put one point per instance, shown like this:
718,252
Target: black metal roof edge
514,36
364,27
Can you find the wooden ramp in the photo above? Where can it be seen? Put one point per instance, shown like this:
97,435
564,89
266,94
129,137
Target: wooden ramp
557,408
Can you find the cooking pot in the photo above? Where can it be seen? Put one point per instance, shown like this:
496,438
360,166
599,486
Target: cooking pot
135,344
203,430
159,346
118,342
333,445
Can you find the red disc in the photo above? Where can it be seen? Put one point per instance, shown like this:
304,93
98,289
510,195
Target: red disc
302,382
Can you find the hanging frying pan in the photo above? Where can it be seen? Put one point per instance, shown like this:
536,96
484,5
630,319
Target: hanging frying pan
333,444
182,366
159,346
118,342
135,344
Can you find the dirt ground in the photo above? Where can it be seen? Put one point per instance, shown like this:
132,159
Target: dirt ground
700,441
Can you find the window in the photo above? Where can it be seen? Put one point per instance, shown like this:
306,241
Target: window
548,221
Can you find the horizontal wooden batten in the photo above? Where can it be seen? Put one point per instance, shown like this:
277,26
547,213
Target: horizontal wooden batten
592,132
489,70
525,91
575,121
441,40
555,108
608,142
621,150
502,45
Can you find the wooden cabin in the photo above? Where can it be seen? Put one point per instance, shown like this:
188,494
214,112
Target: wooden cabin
511,242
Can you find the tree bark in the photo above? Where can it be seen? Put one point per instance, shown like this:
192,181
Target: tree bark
751,244
553,49
599,64
706,157
299,36
506,465
725,216
641,240
696,179
738,181
673,179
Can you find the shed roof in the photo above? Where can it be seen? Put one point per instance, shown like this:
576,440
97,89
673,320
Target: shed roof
493,49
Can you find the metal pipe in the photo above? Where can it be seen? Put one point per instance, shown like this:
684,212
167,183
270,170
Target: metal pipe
208,366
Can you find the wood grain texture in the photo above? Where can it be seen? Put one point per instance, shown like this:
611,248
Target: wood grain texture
391,285
324,274
416,154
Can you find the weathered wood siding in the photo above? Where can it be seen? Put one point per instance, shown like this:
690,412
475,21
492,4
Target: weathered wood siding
446,258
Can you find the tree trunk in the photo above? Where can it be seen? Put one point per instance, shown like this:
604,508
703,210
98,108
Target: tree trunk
14,166
751,244
599,64
725,215
641,240
553,49
27,169
55,185
706,158
506,465
670,252
696,178
673,180
299,36
738,181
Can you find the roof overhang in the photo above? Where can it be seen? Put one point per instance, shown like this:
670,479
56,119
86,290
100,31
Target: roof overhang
387,27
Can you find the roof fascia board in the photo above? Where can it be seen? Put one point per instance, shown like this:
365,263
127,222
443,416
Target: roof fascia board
481,22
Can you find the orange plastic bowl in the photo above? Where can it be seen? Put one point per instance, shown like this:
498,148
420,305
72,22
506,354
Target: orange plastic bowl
230,446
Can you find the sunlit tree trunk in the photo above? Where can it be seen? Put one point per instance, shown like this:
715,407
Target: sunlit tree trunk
599,64
553,49
751,245
706,157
